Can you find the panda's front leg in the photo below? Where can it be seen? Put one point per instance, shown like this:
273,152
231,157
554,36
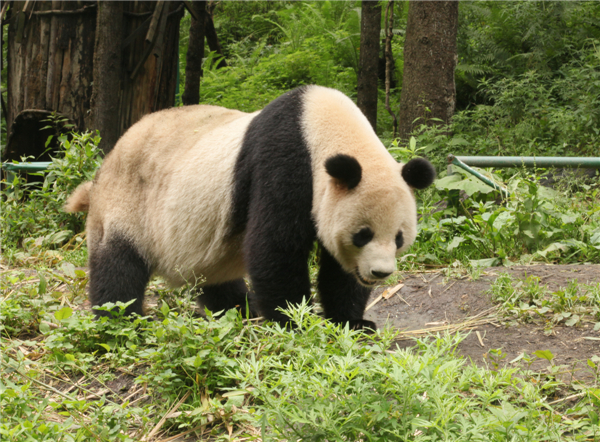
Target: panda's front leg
278,270
342,297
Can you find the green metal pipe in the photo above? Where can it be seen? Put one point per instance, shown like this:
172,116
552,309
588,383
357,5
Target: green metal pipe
587,162
483,178
35,166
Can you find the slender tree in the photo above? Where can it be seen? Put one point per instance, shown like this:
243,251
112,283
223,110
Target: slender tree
108,71
211,35
370,28
195,54
428,90
389,61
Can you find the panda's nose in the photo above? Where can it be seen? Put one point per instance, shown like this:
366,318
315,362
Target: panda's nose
380,275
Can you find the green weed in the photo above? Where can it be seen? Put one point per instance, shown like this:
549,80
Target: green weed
32,214
230,378
535,223
527,300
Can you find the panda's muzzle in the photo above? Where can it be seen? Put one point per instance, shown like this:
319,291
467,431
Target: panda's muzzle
379,275
362,280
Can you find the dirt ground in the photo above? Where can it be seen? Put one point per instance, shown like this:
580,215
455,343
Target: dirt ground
431,299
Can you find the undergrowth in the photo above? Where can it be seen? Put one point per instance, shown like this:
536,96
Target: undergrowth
528,300
462,219
67,377
32,215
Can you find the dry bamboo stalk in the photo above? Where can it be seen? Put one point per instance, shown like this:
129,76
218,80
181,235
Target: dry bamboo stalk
180,435
164,418
467,325
379,298
398,295
387,294
479,338
151,35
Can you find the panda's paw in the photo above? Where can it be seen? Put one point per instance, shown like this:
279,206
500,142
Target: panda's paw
362,324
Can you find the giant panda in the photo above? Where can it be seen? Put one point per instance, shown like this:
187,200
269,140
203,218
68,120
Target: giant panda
204,191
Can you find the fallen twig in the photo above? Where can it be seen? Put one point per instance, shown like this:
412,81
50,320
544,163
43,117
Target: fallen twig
379,298
479,337
448,288
468,324
387,294
180,435
162,421
398,295
573,396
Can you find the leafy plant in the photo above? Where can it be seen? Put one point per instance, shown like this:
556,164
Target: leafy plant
32,213
478,228
527,300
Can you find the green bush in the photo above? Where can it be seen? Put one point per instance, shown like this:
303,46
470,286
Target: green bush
535,223
32,213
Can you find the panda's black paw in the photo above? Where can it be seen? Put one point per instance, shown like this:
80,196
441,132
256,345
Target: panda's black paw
362,324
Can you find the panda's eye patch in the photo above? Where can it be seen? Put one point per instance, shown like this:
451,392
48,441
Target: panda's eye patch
399,240
362,237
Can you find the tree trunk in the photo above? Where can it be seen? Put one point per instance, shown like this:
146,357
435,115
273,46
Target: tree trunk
150,59
370,27
108,71
211,35
195,54
50,58
428,90
389,62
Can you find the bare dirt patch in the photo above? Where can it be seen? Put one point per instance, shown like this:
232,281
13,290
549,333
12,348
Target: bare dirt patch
428,300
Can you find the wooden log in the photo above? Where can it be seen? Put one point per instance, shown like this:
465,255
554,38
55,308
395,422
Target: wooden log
151,36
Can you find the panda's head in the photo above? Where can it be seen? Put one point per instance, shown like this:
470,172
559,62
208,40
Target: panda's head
370,215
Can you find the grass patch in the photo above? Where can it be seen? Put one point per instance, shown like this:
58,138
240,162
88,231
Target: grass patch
67,377
528,300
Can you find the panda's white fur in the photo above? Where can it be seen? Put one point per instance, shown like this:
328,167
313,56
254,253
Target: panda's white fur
164,200
384,202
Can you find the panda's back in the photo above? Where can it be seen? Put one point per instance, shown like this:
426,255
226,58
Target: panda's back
167,185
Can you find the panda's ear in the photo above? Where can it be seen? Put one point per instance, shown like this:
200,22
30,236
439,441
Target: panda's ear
344,169
418,173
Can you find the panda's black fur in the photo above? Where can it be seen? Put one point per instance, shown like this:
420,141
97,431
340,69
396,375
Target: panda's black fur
271,218
275,156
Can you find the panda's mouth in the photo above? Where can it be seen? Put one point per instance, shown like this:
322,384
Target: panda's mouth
362,280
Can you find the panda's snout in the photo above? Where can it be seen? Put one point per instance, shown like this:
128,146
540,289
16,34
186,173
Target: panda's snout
380,275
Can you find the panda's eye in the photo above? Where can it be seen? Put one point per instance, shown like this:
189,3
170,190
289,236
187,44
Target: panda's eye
399,240
362,237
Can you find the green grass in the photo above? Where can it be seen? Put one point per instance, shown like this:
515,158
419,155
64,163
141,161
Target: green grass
528,300
232,378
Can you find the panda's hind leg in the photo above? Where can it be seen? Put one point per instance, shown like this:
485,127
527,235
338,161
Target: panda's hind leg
342,297
118,272
225,296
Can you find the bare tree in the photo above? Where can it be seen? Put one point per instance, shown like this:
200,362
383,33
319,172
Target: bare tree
428,90
195,54
211,35
108,71
389,61
370,28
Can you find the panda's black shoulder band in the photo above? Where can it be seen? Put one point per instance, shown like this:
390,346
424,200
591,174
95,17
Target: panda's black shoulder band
418,173
344,168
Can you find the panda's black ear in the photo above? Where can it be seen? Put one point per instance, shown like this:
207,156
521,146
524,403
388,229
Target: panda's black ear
345,169
418,173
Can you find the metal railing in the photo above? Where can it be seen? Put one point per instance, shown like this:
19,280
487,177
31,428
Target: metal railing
568,162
